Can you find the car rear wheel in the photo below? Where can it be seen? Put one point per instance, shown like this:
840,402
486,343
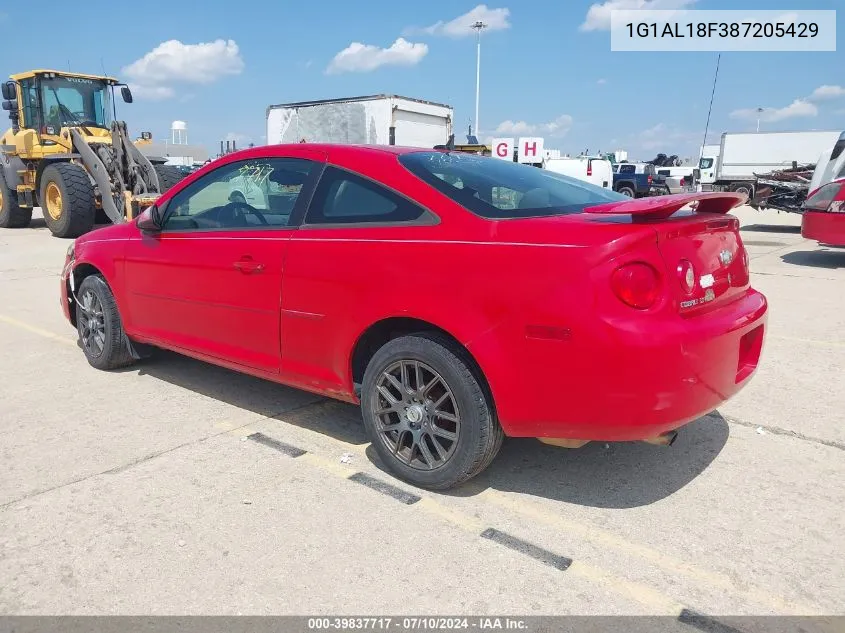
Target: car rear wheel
427,415
100,328
626,191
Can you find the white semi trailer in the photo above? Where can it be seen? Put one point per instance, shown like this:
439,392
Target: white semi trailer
371,120
742,155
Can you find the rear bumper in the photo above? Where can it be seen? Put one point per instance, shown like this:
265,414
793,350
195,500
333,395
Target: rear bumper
827,228
633,380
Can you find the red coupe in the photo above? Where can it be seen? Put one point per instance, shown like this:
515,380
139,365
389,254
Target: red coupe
457,298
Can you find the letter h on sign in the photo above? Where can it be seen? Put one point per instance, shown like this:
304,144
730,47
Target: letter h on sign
530,150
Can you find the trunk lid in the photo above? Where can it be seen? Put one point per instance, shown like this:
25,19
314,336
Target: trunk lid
701,235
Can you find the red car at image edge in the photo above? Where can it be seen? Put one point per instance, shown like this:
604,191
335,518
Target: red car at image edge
823,219
457,298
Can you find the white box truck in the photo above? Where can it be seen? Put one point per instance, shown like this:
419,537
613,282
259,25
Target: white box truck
592,169
370,120
742,155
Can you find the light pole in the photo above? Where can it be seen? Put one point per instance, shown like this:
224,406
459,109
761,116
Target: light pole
759,112
478,26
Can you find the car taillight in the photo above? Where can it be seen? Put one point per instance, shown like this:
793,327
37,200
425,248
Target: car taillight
589,168
829,198
686,275
636,284
649,180
683,182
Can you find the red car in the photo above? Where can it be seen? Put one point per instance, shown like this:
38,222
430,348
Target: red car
457,298
823,219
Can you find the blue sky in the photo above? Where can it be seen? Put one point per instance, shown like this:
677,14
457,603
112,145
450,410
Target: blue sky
542,72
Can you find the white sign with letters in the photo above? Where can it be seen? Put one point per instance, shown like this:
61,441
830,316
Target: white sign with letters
503,148
530,150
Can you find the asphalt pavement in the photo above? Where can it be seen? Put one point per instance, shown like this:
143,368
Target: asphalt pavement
176,487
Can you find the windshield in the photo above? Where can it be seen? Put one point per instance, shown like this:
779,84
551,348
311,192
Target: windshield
705,163
499,189
74,101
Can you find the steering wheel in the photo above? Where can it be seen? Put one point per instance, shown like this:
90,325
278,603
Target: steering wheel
236,211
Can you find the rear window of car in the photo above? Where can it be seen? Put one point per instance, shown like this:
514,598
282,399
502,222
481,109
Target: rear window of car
627,169
498,189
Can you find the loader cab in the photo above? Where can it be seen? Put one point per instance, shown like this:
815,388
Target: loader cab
47,101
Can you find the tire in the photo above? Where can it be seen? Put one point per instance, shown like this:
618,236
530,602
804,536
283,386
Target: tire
743,187
11,215
73,213
168,175
625,190
479,435
107,347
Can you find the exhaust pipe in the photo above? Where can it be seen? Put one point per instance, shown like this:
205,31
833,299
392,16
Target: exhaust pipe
664,439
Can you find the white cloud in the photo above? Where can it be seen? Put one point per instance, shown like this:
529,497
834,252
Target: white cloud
662,137
152,93
559,127
601,82
796,109
173,61
598,15
495,19
827,92
241,139
364,58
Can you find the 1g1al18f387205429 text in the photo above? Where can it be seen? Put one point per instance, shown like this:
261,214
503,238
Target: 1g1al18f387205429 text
723,29
800,30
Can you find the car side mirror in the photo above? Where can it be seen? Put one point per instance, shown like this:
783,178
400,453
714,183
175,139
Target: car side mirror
149,221
10,91
126,93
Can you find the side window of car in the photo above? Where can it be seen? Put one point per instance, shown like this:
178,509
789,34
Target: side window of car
253,194
344,198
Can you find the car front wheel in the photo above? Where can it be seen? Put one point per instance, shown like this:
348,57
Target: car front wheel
426,413
98,323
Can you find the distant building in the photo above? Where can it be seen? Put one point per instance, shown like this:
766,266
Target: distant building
176,154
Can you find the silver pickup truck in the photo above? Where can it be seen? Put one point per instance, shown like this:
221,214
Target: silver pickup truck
677,179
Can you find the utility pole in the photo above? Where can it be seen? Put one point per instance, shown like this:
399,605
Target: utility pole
478,26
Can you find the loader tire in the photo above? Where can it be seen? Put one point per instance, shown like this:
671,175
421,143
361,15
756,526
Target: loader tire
67,200
11,215
167,176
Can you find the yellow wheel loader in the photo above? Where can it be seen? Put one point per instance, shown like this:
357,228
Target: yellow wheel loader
67,153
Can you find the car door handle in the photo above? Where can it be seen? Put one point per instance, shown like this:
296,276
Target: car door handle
247,265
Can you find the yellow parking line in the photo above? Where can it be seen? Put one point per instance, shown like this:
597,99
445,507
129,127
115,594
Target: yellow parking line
37,330
588,532
654,600
595,535
657,602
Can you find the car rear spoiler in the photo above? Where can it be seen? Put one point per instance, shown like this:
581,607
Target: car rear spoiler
661,207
